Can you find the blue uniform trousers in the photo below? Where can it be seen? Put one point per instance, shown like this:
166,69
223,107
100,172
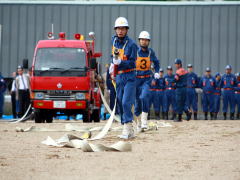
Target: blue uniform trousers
181,99
217,99
170,99
208,102
237,98
228,98
126,93
192,99
142,103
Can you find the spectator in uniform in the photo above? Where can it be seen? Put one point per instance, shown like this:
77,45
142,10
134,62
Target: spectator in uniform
217,95
157,89
228,84
170,93
192,96
208,84
181,91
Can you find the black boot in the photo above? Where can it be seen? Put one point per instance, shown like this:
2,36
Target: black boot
206,115
238,115
148,117
232,116
225,116
1,115
195,116
179,119
173,116
189,115
166,115
157,115
212,116
216,115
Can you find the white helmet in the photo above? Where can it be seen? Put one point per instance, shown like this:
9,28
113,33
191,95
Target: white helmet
144,35
121,22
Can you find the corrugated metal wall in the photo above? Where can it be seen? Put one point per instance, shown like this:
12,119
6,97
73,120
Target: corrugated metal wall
204,35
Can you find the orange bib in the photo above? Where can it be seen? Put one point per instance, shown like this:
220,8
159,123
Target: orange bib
143,64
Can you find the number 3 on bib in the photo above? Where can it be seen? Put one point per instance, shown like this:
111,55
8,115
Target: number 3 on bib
143,64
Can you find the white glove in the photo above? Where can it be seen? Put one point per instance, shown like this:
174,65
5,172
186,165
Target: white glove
111,68
116,61
156,76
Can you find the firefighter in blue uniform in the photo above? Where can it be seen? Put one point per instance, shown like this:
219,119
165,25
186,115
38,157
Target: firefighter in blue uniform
228,84
217,95
157,94
170,94
192,96
208,84
145,57
126,75
237,95
181,91
3,88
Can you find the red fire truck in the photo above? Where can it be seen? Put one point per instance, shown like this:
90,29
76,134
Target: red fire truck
63,78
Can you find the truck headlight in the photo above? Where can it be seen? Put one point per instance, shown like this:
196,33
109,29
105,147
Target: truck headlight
39,95
80,96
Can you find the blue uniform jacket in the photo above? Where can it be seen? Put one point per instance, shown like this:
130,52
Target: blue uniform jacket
130,51
160,84
228,81
153,59
170,81
208,84
192,80
218,86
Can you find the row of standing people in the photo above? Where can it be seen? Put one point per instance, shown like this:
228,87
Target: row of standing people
213,87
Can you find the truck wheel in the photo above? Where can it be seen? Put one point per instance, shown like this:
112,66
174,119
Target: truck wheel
86,116
39,116
49,118
96,115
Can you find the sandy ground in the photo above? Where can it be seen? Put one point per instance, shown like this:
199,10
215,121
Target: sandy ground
188,150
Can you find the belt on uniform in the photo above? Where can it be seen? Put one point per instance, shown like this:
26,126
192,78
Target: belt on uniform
218,88
190,87
125,71
217,94
227,88
208,92
237,92
23,90
143,76
169,88
156,89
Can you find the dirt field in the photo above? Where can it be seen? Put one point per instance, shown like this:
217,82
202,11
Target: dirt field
188,150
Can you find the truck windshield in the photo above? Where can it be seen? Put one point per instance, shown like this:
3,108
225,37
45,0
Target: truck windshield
60,59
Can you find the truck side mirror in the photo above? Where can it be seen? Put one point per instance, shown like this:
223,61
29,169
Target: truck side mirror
93,63
25,63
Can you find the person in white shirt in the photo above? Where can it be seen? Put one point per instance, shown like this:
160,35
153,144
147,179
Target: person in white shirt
23,90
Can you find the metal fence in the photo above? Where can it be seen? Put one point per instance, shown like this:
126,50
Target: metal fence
204,34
